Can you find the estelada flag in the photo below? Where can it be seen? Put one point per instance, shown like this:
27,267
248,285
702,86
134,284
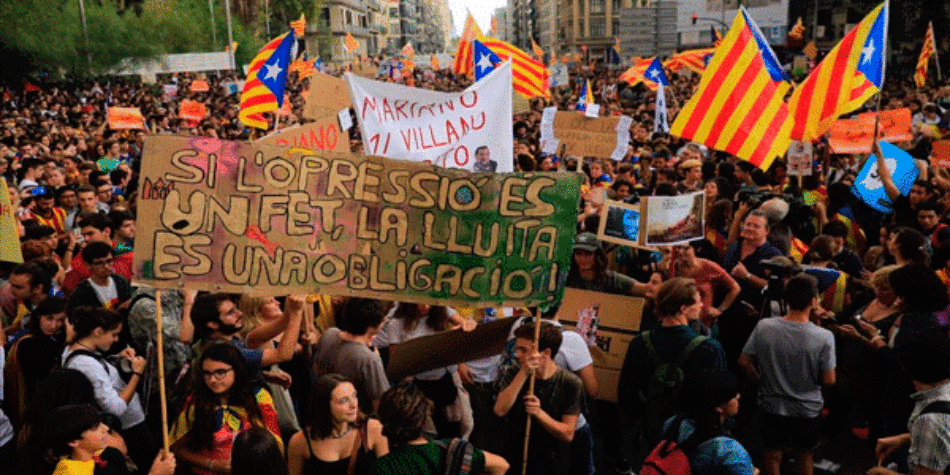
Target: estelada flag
529,76
120,118
462,62
266,79
192,110
694,59
848,76
739,107
350,43
199,85
408,51
299,26
634,75
434,62
923,62
10,249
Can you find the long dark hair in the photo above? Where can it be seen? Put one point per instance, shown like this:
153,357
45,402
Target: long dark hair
242,394
256,451
403,410
437,318
320,418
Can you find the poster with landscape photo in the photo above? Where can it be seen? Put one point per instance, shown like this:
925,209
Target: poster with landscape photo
670,220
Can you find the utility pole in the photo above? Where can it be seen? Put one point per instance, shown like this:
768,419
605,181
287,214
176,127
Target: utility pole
227,11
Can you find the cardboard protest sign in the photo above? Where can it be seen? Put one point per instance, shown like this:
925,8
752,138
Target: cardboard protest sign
9,235
322,135
855,135
244,217
447,348
125,118
169,91
610,322
438,127
192,110
328,95
620,223
199,85
868,186
940,153
800,158
586,137
672,220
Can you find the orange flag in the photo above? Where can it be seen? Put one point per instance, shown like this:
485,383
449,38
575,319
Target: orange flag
199,85
434,62
125,118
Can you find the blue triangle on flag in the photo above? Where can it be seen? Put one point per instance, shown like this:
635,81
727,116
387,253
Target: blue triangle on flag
273,73
484,60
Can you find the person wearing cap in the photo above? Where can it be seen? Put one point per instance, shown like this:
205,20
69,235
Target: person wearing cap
707,400
589,270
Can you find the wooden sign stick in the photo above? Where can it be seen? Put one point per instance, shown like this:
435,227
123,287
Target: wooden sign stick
527,427
160,343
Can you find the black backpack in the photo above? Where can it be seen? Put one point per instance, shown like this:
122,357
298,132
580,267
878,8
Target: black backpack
661,396
458,457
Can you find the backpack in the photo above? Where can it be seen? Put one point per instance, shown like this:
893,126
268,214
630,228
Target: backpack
458,456
668,457
661,396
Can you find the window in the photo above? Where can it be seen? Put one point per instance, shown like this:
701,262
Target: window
598,27
349,17
596,6
394,12
615,28
615,6
580,29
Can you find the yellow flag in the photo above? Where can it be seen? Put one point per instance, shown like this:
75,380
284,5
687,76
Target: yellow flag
9,237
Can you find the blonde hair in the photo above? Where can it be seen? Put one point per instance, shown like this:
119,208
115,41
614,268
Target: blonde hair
250,306
880,279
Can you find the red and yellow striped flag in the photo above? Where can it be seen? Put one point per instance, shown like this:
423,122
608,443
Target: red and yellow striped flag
694,59
739,107
528,76
811,50
350,43
920,74
798,31
462,63
434,62
299,26
635,74
266,77
849,75
538,52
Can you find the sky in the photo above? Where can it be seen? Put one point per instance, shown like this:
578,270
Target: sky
481,10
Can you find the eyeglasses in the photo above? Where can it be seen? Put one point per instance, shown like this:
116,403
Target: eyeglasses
216,374
103,262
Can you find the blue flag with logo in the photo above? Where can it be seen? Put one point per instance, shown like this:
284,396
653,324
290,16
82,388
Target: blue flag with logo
868,186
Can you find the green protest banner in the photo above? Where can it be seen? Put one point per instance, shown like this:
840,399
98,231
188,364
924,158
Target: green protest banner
246,217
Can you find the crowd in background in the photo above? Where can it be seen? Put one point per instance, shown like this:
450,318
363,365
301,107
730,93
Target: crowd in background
828,316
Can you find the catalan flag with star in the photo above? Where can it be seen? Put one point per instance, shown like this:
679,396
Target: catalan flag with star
848,76
920,74
266,79
463,60
529,76
739,107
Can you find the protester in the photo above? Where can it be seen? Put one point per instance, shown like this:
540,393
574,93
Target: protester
257,452
224,401
403,410
339,439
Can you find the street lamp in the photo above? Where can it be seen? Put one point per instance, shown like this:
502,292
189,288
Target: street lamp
697,18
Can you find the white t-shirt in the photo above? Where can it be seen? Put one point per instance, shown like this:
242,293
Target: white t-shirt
106,293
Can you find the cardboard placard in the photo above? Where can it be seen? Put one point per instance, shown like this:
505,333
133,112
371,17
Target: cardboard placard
940,153
447,348
245,217
673,220
322,135
121,118
617,324
192,110
895,125
584,136
868,186
327,96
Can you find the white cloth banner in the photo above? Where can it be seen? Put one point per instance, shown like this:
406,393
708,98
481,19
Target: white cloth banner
660,123
436,127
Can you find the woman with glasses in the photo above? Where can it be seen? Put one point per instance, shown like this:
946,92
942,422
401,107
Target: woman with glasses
223,403
339,439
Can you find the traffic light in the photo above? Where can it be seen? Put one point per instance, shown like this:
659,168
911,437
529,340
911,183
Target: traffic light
695,17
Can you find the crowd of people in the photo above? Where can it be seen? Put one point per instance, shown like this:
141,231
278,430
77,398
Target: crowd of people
827,316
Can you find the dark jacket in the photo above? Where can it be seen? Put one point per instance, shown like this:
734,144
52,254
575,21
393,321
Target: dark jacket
85,296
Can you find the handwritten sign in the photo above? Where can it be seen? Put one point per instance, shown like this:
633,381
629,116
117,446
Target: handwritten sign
199,85
244,217
800,157
120,118
192,110
855,135
327,96
10,249
586,137
322,135
446,129
940,153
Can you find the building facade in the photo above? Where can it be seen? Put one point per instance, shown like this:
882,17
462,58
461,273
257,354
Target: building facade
336,18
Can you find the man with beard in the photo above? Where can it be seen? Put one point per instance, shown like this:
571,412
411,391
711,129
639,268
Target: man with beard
215,317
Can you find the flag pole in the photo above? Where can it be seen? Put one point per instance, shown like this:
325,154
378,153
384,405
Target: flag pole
534,374
877,112
936,55
160,343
